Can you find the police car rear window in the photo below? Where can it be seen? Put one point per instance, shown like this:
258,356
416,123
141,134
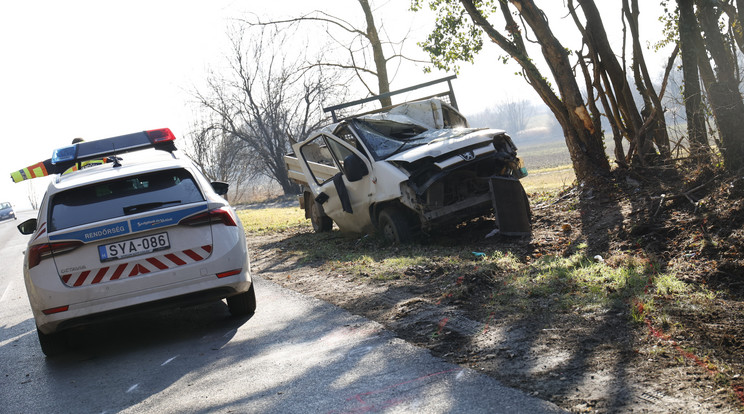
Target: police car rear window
122,197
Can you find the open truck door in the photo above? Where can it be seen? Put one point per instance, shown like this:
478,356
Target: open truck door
340,179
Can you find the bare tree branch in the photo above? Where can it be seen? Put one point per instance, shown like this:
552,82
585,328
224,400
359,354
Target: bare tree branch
267,98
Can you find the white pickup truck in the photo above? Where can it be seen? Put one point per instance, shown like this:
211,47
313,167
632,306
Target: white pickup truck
409,168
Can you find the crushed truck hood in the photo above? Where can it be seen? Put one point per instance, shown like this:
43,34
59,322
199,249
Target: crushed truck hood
444,141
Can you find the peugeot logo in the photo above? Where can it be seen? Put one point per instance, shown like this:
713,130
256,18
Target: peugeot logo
468,156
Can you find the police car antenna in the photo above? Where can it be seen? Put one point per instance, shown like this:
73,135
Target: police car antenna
116,159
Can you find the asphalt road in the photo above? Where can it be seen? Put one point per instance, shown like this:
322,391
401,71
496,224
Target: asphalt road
295,355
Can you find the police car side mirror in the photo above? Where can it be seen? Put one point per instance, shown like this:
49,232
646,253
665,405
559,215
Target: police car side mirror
220,187
28,226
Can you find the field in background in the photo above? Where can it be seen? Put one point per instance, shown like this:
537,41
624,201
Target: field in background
548,166
273,219
548,179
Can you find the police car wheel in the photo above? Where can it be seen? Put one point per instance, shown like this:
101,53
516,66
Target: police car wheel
52,344
242,304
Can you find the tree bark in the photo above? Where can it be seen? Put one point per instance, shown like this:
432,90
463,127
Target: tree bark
597,35
645,86
725,98
692,94
383,83
734,17
583,138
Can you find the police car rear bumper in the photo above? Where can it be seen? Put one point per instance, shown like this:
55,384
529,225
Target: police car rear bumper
207,289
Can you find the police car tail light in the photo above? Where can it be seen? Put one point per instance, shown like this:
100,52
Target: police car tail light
40,252
58,309
229,273
158,136
219,215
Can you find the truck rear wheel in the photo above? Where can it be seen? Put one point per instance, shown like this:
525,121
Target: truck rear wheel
321,222
394,226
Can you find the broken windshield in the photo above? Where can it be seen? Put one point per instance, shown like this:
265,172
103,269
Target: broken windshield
385,138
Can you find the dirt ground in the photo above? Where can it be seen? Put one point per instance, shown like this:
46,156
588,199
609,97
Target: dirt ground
600,360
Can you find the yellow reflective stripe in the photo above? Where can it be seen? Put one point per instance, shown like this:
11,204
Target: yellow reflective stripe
83,165
17,176
90,162
32,171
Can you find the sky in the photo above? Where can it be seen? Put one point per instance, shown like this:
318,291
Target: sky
96,69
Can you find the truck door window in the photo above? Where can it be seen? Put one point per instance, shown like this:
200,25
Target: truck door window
319,160
340,152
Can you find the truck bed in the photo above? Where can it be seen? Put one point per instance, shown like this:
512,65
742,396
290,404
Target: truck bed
321,172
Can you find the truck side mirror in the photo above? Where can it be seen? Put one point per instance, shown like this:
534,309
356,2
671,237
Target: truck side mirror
28,226
355,168
220,188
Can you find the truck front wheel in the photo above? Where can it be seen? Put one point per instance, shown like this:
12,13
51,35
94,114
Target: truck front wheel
394,226
321,222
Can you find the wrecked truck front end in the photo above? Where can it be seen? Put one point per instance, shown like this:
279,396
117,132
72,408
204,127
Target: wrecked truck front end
463,174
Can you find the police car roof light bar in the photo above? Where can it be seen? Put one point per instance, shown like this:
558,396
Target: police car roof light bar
160,139
158,136
65,157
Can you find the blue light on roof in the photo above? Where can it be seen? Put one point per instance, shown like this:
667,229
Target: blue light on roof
64,154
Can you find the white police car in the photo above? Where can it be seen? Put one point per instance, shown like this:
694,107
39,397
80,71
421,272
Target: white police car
127,236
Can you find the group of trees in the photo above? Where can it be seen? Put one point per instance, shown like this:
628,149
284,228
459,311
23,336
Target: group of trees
706,32
252,111
509,114
268,99
712,53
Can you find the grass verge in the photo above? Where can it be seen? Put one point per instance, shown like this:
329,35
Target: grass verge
512,283
273,220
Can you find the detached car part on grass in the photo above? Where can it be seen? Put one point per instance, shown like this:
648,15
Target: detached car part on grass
410,167
129,236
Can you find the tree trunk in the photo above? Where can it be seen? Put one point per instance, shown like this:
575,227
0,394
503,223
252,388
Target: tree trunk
597,35
645,86
725,98
734,18
379,57
740,21
583,138
693,100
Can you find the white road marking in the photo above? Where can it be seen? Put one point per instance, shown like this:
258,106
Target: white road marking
169,360
5,292
132,388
